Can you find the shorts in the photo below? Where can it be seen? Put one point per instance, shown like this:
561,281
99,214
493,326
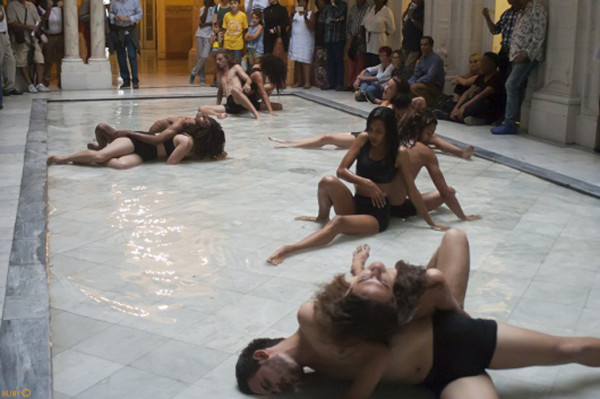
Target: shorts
231,107
403,211
148,152
21,52
364,206
462,347
253,53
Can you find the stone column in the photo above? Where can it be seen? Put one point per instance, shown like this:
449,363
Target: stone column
71,32
98,75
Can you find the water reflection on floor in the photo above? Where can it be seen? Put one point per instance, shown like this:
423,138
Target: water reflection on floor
158,278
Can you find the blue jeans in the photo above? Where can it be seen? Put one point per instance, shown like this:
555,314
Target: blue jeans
518,75
335,64
372,88
126,51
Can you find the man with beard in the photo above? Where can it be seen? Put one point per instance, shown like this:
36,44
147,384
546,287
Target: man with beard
230,77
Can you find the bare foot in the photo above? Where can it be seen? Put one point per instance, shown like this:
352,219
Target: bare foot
470,218
467,152
54,160
257,116
311,219
222,115
275,139
278,256
361,253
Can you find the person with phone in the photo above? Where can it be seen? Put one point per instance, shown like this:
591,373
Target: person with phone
302,43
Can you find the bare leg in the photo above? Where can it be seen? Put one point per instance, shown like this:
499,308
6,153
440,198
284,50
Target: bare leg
125,162
306,73
445,146
332,193
298,78
452,259
341,140
104,134
349,224
519,347
240,98
118,148
476,387
213,110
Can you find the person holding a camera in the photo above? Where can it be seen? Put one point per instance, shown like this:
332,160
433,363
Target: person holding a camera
24,23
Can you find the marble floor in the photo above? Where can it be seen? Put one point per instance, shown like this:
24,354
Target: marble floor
158,275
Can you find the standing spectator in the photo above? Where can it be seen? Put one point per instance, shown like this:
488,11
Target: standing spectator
429,77
124,15
371,81
320,57
220,10
84,26
412,32
7,58
302,43
235,24
54,49
203,42
483,102
23,21
254,37
277,23
526,50
379,25
505,26
252,5
335,41
356,40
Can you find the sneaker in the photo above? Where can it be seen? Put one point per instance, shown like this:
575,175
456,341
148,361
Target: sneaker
508,127
126,85
473,121
192,78
41,88
360,96
31,88
136,85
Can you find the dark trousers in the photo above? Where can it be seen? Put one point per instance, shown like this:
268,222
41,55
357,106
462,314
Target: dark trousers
335,64
125,51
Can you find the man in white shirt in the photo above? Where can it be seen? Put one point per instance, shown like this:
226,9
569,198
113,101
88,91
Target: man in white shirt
7,58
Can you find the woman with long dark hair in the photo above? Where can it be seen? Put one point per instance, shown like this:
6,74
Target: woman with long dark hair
170,139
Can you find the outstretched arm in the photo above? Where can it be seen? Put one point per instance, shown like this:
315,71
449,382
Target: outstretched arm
183,145
159,138
447,193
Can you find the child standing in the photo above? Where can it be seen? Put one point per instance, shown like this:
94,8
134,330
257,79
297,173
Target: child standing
302,43
235,24
254,38
203,40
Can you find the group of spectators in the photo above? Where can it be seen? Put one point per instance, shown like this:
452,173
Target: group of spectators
318,37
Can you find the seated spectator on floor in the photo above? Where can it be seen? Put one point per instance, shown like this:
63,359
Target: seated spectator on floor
371,81
483,102
399,64
462,83
428,79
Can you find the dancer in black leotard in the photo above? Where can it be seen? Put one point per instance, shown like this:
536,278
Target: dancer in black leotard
172,139
267,76
375,152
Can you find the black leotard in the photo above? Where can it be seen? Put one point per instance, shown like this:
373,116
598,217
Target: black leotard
377,171
149,152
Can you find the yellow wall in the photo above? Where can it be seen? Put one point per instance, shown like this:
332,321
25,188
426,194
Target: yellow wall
501,6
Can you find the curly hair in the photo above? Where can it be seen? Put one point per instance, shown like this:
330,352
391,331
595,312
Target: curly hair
275,69
412,124
409,286
247,366
347,317
209,142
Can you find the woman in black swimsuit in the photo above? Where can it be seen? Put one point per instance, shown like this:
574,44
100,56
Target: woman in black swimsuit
266,76
173,139
368,212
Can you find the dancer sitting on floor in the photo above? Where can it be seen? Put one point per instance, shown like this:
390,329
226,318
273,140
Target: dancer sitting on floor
266,76
384,188
170,139
401,104
447,352
230,76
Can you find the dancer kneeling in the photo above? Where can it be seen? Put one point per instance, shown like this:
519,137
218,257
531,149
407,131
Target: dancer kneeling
358,334
171,139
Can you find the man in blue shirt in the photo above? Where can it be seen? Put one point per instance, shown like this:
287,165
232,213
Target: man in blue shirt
124,15
429,76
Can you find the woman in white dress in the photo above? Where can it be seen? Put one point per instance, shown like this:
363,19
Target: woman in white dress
302,43
379,25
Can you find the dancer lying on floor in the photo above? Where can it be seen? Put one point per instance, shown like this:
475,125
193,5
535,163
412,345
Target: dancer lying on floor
401,104
171,139
446,352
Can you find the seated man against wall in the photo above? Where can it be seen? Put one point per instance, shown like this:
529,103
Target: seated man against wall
428,79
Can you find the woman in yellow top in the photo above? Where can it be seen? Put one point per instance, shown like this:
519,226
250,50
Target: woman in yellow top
235,24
